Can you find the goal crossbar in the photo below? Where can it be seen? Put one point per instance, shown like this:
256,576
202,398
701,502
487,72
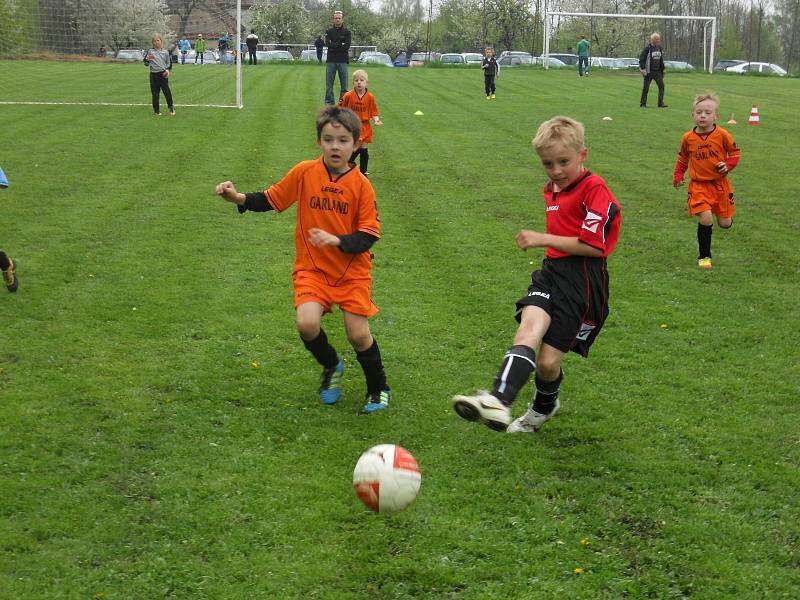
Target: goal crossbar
708,65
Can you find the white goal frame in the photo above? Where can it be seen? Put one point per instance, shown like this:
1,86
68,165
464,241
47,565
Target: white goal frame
707,53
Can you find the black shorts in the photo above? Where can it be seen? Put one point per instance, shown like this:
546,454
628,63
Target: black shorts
574,292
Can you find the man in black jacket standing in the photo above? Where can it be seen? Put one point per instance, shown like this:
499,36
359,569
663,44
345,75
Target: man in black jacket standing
651,66
337,39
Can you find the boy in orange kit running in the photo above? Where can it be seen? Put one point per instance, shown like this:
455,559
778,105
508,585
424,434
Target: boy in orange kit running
361,101
337,224
709,153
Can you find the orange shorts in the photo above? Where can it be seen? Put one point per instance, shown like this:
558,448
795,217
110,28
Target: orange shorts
716,196
366,132
352,296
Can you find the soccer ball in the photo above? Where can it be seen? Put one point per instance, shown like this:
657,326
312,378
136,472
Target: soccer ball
386,478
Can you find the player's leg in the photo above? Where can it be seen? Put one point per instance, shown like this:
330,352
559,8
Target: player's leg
364,164
494,409
705,227
369,357
545,401
155,91
167,95
309,325
330,74
645,90
9,268
487,86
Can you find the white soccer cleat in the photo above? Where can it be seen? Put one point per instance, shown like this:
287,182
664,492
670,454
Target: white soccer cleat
483,407
532,421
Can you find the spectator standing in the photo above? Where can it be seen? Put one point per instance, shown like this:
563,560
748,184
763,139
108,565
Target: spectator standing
651,66
222,46
199,48
319,44
491,70
252,45
337,39
184,46
583,56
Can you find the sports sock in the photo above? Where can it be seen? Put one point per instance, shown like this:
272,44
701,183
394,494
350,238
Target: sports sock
371,363
518,364
4,262
322,350
704,240
355,155
546,394
364,160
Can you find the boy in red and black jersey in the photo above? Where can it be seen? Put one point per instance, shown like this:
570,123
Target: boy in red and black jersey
709,153
567,301
337,224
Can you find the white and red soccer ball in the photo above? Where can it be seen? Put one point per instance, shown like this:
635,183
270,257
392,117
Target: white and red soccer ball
386,478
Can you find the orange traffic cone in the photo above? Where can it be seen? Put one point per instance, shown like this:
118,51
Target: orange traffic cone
731,121
753,120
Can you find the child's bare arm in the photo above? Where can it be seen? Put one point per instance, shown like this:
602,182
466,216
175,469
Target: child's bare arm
571,245
227,190
320,238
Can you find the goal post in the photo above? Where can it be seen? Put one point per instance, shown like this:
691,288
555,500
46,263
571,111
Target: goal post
90,52
708,50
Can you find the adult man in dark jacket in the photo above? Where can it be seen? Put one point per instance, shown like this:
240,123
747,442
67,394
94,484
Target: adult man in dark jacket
319,44
337,39
252,45
651,66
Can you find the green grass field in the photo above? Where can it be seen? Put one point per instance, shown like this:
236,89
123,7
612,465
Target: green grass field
160,434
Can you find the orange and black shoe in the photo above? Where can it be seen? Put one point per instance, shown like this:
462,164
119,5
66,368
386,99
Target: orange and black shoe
10,276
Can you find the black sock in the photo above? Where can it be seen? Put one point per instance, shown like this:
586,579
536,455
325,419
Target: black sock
364,159
704,240
371,363
355,155
4,262
518,364
546,394
322,350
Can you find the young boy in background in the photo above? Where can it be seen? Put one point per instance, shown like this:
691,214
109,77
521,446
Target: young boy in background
337,224
491,70
709,153
567,301
362,102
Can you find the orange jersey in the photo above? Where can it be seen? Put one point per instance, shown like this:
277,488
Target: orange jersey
702,151
365,107
339,205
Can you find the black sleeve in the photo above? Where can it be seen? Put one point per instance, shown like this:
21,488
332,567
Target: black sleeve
643,57
256,202
357,242
347,39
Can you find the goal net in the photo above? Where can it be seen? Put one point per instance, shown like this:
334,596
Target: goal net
709,37
91,51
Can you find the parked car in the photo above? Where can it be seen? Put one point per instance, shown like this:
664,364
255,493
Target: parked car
377,58
129,54
311,55
401,60
726,64
274,55
420,58
452,59
208,57
608,63
516,53
512,60
552,63
678,65
758,67
567,59
630,63
472,58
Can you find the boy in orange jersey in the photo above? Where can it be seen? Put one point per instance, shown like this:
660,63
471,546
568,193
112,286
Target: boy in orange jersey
362,102
709,153
337,224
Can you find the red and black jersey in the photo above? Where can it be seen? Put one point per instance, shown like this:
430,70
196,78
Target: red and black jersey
587,210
